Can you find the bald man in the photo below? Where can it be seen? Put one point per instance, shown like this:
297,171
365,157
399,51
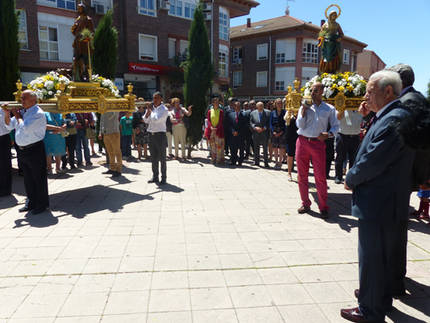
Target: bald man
29,133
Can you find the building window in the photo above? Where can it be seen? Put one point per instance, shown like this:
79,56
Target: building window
223,61
308,73
183,47
224,24
346,54
63,4
353,62
172,47
237,55
22,29
146,7
284,76
310,51
262,79
147,47
237,78
261,52
285,51
48,43
184,9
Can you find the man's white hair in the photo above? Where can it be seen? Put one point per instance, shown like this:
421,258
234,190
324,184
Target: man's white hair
385,78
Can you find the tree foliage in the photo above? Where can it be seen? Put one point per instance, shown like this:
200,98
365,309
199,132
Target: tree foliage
428,92
105,47
9,49
198,75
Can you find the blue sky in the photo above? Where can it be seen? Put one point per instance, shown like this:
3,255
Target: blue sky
396,30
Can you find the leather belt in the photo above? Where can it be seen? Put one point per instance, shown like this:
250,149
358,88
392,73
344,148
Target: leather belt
29,146
310,138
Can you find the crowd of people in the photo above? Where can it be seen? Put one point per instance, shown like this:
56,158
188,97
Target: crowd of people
386,143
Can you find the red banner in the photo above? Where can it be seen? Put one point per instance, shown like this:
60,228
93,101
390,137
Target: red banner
148,69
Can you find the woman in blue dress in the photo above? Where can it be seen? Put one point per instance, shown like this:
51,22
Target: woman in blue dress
55,144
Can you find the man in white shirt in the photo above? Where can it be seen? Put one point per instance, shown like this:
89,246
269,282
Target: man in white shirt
312,123
5,158
156,117
30,131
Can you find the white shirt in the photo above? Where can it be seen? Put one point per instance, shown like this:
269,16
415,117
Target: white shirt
316,120
157,119
3,129
31,129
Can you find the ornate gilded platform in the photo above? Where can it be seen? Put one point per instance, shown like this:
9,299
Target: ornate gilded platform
81,97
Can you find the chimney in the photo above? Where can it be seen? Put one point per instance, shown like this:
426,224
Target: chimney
322,22
287,11
248,23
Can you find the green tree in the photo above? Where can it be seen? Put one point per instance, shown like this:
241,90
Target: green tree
198,75
9,49
105,55
428,91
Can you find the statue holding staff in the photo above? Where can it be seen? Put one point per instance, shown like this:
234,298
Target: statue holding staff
81,49
329,40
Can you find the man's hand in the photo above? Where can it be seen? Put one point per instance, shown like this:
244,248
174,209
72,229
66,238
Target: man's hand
323,136
363,109
235,133
4,107
100,137
258,129
347,187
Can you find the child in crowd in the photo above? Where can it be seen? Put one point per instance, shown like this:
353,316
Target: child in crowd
126,128
424,195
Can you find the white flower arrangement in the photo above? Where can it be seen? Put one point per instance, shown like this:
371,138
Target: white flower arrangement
106,83
46,86
352,84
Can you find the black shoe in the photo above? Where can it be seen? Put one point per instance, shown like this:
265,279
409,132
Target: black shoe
256,164
72,167
338,181
163,182
89,164
232,163
266,165
24,209
153,180
108,172
303,209
116,174
324,214
38,210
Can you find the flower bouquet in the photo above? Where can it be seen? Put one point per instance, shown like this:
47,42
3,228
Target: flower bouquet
48,85
106,83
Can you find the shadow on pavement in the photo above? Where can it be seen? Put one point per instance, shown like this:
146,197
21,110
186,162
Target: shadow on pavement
397,316
8,202
41,220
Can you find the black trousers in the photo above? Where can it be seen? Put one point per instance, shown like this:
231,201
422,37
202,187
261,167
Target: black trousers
247,138
157,149
5,166
260,139
376,256
71,147
33,161
237,144
399,259
346,145
329,155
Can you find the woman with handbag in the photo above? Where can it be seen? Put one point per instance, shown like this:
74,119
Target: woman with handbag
54,141
70,142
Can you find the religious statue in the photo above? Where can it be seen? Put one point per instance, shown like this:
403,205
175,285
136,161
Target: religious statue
81,48
329,40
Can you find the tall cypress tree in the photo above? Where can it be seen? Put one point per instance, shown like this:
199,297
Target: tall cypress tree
9,49
105,47
105,56
198,75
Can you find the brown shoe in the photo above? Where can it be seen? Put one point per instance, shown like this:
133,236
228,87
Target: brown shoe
303,209
353,315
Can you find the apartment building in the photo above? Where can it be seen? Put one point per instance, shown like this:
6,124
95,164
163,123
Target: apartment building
368,62
153,38
267,56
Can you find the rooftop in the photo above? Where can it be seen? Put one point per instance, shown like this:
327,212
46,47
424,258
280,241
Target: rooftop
278,24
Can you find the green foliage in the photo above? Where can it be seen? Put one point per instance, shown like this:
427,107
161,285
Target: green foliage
428,91
9,49
228,94
105,55
198,75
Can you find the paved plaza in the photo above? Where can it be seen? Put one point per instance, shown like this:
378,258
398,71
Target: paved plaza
217,244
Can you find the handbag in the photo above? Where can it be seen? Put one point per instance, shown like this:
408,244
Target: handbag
64,133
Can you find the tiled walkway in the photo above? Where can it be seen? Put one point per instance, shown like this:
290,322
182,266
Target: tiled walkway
215,245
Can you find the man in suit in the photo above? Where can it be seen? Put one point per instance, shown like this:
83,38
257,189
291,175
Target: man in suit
5,158
237,127
412,99
247,131
312,123
227,136
259,123
380,180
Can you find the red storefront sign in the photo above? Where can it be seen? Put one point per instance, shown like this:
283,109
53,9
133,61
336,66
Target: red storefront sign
148,68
